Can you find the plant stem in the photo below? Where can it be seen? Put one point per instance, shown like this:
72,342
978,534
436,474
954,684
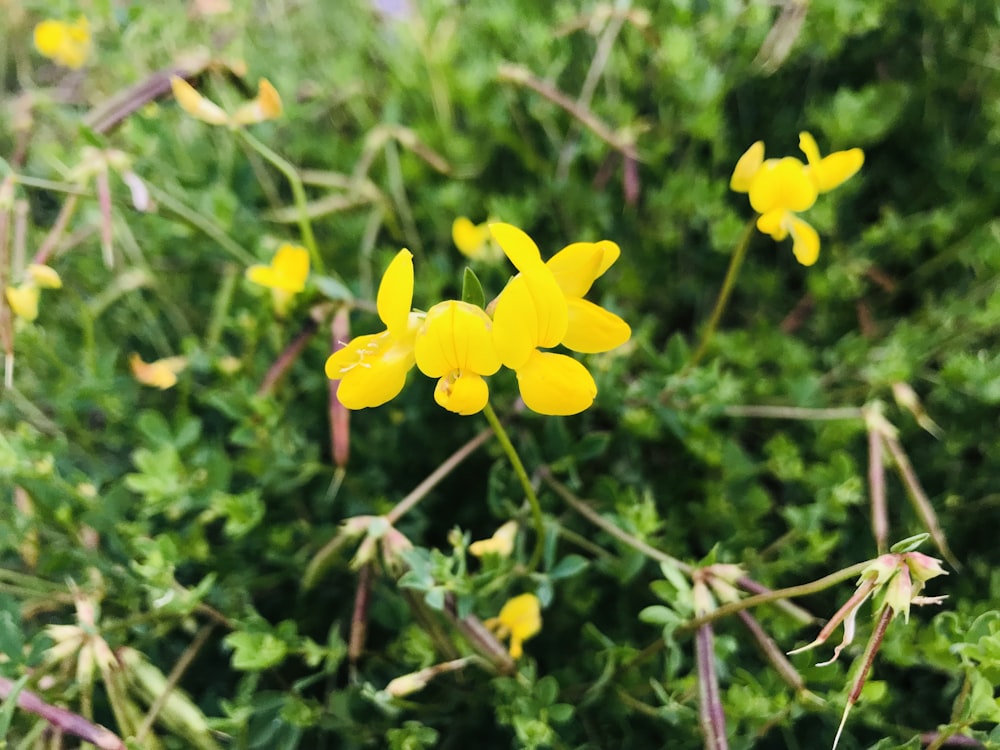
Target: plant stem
522,475
727,287
298,193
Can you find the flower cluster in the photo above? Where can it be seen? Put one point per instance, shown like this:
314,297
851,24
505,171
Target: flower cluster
67,44
779,189
460,344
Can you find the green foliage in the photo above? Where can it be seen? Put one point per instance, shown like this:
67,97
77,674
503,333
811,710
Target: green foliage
179,523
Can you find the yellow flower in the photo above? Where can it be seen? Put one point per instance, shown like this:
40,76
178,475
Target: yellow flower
519,619
455,344
23,300
68,44
543,307
474,241
160,374
501,543
45,277
780,188
265,106
286,274
372,369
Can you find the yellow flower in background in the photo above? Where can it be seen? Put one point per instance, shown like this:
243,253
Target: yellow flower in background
44,277
23,300
519,619
455,344
474,240
265,106
501,543
543,307
780,188
160,374
67,44
285,275
372,369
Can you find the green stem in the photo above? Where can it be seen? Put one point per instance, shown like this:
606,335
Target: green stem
522,475
727,287
298,192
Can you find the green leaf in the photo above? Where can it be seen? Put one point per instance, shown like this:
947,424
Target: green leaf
253,652
331,288
568,567
472,289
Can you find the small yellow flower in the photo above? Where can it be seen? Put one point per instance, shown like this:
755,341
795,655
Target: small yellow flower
501,543
780,188
285,276
372,369
45,277
265,106
519,619
67,44
23,300
160,374
474,240
455,344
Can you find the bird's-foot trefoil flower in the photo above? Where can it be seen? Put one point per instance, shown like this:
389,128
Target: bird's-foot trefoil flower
455,345
779,189
500,544
161,373
265,106
543,307
67,44
23,298
519,619
372,369
474,240
286,274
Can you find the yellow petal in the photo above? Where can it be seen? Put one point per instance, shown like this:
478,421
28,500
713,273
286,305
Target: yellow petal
160,374
456,336
522,618
469,238
515,324
747,167
782,184
576,266
593,329
805,241
291,264
555,384
774,223
552,314
463,393
395,292
501,543
49,37
45,277
266,106
807,144
23,301
517,245
835,169
195,104
66,44
372,369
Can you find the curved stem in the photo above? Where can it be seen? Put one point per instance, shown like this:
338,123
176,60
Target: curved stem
298,193
522,475
727,287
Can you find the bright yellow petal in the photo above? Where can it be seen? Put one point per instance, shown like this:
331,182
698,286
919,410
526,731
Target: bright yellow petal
835,169
263,275
555,384
195,104
469,238
576,266
522,617
774,223
551,311
501,543
456,336
782,184
462,393
23,301
291,266
395,292
517,245
807,144
805,241
45,277
372,370
747,168
160,374
593,329
515,324
66,44
49,37
266,106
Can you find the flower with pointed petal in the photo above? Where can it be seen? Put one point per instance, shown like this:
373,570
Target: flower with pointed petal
519,619
501,543
67,44
265,106
474,240
372,369
455,344
161,373
23,300
781,188
286,274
